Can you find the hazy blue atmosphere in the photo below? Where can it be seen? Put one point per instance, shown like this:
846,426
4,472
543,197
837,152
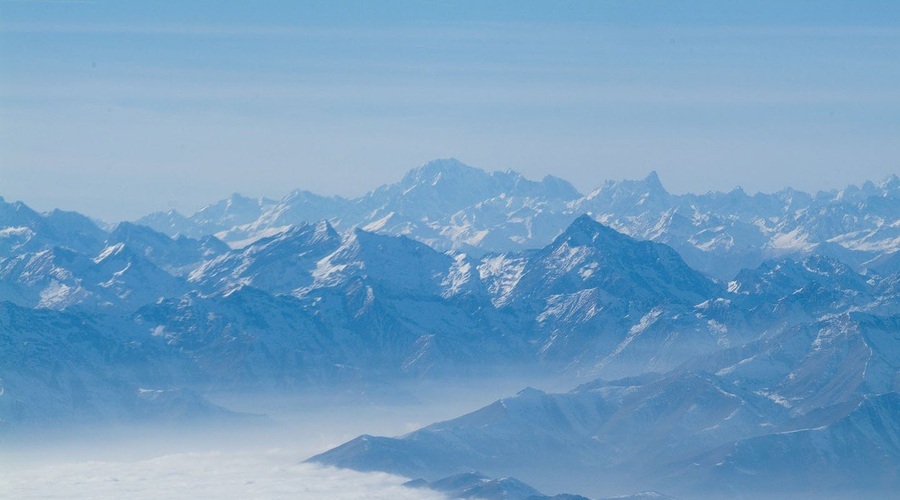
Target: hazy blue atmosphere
117,109
434,250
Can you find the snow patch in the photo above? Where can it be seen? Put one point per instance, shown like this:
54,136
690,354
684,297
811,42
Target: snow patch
7,232
108,252
501,273
459,274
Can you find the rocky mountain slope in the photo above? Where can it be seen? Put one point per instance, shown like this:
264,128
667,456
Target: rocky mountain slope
812,409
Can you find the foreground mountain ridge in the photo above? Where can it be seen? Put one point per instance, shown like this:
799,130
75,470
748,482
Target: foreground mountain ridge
708,428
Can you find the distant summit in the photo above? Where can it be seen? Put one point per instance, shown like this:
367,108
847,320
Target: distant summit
450,205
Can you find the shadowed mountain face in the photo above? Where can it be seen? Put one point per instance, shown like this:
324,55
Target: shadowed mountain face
24,230
712,427
312,305
788,371
79,368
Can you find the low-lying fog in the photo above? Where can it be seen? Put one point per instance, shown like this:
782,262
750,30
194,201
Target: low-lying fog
254,457
239,475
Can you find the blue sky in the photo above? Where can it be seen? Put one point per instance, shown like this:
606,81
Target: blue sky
119,108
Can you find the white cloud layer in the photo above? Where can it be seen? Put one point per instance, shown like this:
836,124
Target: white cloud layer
272,474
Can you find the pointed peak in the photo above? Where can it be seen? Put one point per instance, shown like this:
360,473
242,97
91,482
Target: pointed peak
444,164
361,237
653,183
122,229
584,220
649,185
433,170
299,196
325,231
441,165
126,226
552,179
313,231
239,199
531,392
299,193
560,187
510,175
584,230
586,224
889,182
20,206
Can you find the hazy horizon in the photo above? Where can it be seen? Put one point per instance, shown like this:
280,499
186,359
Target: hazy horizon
121,109
188,209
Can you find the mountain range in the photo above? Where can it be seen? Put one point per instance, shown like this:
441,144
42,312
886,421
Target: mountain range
727,343
451,206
